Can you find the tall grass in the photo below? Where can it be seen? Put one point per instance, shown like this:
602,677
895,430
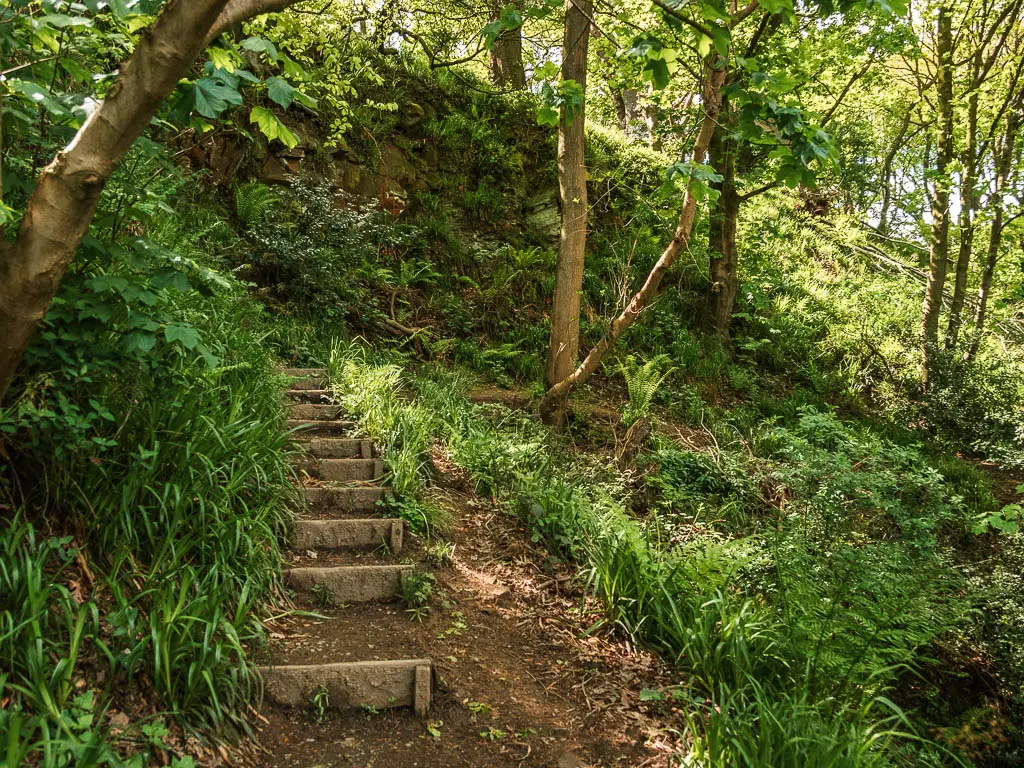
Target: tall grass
765,685
148,598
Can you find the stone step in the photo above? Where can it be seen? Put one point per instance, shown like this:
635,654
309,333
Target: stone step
315,411
309,395
360,533
342,470
308,383
300,372
337,447
318,428
345,500
353,685
350,583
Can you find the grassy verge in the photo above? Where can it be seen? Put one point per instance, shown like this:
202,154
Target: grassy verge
793,624
148,484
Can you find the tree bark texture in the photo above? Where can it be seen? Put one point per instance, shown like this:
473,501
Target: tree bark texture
724,278
64,200
938,257
968,202
507,68
714,81
1004,164
572,185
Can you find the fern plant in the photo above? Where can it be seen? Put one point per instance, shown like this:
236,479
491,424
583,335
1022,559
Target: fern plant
642,382
253,201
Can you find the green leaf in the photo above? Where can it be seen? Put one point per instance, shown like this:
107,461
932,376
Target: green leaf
213,96
259,45
183,334
222,59
271,127
280,92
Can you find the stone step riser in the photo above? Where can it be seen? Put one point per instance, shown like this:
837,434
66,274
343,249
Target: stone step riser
345,500
350,583
315,412
353,685
343,470
349,534
310,396
307,384
306,428
337,448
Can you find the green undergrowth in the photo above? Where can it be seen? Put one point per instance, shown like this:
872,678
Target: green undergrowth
797,620
148,486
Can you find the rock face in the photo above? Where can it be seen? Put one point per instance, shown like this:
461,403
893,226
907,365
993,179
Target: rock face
542,213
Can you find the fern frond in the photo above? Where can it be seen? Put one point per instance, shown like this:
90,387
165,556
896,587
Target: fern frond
253,201
642,383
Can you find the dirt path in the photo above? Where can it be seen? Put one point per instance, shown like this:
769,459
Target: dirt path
518,683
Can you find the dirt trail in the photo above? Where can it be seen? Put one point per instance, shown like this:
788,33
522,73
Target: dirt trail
519,685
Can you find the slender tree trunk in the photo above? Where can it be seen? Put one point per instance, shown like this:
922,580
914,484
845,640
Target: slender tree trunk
1004,161
724,278
938,258
630,98
572,239
507,68
67,191
651,121
620,109
968,202
887,163
714,80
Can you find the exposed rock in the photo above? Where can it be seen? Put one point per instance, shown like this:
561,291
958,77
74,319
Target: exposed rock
542,213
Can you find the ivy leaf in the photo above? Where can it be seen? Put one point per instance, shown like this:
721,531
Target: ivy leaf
271,127
280,92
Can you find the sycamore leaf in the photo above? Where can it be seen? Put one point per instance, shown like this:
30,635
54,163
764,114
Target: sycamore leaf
213,96
222,59
271,127
280,92
183,334
259,45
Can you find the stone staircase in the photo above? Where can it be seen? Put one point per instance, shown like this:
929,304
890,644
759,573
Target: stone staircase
341,525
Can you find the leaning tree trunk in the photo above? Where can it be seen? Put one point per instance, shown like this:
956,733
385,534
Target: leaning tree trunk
1004,162
507,68
62,205
572,240
714,81
723,274
968,202
938,257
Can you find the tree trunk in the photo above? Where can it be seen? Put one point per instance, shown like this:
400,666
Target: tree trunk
890,158
651,121
572,240
630,104
724,279
620,109
1004,162
507,55
714,80
938,257
968,202
61,207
